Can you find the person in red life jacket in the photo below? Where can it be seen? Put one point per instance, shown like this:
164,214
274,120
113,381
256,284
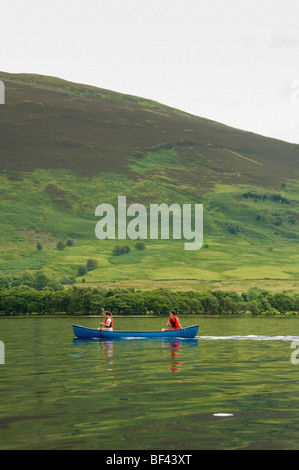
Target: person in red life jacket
173,322
108,321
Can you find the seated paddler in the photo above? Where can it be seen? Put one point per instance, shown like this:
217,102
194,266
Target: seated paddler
173,322
108,321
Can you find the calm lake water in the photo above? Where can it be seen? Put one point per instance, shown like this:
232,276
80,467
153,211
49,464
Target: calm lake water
57,392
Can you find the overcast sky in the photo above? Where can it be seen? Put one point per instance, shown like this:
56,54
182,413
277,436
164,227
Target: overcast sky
233,61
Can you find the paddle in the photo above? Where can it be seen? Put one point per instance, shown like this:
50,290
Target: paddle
102,310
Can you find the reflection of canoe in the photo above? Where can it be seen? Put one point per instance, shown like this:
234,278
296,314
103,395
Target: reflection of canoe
82,332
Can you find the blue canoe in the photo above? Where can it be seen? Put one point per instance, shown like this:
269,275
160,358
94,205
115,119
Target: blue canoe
89,333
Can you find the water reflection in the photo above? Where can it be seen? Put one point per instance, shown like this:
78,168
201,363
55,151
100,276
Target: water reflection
108,349
63,394
174,354
175,349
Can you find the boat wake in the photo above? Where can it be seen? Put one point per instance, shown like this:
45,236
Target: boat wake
250,337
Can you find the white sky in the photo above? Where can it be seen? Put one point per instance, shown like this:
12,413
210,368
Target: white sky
233,61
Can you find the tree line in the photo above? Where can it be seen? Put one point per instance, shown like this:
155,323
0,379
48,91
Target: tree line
26,300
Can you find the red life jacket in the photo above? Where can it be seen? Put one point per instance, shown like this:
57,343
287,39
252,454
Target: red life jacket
175,324
107,325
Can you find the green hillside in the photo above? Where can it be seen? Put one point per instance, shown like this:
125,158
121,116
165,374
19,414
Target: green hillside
65,148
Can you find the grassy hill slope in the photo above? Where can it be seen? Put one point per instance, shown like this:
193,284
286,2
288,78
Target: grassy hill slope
65,148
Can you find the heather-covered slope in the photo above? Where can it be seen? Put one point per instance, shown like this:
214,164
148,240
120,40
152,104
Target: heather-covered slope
66,147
